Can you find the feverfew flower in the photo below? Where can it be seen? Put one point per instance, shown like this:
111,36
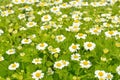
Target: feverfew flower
111,33
41,46
118,70
1,32
96,31
37,75
89,45
100,74
75,57
36,61
26,41
60,38
31,24
109,76
21,16
74,47
46,18
55,9
61,64
10,51
58,64
81,36
58,1
1,58
85,64
13,66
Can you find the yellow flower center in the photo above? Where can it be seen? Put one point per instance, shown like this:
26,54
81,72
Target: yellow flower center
55,9
42,45
75,56
46,17
30,23
80,34
37,60
100,73
95,30
85,62
74,46
14,65
59,37
38,74
89,45
58,64
26,40
111,32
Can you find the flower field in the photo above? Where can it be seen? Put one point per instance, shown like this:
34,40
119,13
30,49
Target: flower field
59,39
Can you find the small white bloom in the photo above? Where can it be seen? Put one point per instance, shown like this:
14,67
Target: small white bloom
109,76
100,74
111,33
89,45
46,18
75,57
13,66
60,38
31,24
10,51
21,16
118,70
85,64
55,9
26,41
1,31
1,58
41,46
36,61
81,36
74,47
37,75
58,64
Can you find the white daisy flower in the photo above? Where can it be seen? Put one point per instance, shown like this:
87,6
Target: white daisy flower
41,46
4,13
74,47
65,63
58,64
100,74
75,57
1,58
46,18
87,19
111,33
55,50
37,75
10,51
13,66
37,61
21,16
31,24
89,46
109,76
45,27
60,38
96,31
26,41
55,9
81,36
58,1
1,32
16,1
85,64
118,70
23,1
